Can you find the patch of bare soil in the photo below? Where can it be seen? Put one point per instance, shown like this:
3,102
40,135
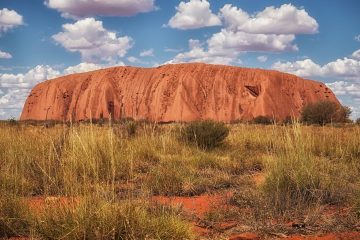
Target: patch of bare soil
38,203
196,205
330,236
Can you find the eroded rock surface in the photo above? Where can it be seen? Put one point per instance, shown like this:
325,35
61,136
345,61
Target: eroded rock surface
179,92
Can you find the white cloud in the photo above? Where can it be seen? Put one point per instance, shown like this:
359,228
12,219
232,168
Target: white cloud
303,68
14,99
12,80
86,67
357,38
9,19
147,53
93,41
29,79
287,19
45,72
356,55
248,42
233,17
133,59
172,50
342,88
345,68
82,67
88,8
194,14
226,46
262,58
16,87
348,70
197,53
39,74
272,30
136,61
350,92
5,55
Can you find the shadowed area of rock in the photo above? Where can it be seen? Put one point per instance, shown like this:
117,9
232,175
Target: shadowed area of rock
176,92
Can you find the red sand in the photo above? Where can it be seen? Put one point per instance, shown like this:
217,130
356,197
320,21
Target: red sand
198,205
38,203
330,236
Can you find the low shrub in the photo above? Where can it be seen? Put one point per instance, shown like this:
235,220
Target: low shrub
12,121
205,134
188,176
323,112
171,178
131,127
263,120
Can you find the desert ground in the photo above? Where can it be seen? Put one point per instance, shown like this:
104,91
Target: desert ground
139,180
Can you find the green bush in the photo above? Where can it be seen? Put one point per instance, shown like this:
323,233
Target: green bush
357,121
323,112
263,120
205,134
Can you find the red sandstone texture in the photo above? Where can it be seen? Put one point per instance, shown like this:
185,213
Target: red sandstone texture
178,92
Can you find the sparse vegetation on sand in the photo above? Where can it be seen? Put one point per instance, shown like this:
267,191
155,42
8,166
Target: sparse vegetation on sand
100,181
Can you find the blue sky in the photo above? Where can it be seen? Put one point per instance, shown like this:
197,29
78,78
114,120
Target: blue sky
45,39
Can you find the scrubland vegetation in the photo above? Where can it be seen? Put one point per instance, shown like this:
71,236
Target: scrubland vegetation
91,181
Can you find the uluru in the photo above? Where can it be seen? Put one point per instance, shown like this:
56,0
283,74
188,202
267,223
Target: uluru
174,92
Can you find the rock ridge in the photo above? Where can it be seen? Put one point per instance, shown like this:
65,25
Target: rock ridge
174,92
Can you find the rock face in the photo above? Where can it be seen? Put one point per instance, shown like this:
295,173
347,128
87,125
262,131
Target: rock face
180,92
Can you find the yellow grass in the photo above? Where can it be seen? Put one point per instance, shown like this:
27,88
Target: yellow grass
113,175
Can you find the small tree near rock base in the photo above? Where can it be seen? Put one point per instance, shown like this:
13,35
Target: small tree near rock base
265,120
324,111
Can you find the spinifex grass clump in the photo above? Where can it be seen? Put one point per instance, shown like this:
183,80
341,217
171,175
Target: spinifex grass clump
296,178
30,159
206,134
97,218
189,175
14,217
93,155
